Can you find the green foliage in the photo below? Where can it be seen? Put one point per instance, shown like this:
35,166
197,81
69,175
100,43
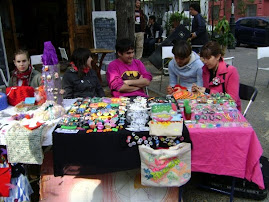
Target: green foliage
175,18
222,33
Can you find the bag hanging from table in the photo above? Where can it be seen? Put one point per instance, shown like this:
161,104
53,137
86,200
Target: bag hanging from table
17,94
165,167
24,145
20,191
5,176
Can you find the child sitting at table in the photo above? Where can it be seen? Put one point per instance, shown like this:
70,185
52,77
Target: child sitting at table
218,77
80,80
127,76
24,74
185,68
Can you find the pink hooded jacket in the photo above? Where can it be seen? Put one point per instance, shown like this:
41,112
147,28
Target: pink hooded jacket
231,81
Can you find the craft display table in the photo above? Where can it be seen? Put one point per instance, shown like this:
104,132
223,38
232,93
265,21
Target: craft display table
82,153
233,151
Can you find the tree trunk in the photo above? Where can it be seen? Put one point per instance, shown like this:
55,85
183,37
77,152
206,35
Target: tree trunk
125,19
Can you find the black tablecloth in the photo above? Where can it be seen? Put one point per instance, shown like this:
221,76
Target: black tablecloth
95,153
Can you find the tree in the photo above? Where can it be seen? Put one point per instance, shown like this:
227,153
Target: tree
125,19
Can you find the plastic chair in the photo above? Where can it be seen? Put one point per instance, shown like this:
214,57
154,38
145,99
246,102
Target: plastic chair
229,60
247,93
166,53
262,52
36,60
63,53
5,81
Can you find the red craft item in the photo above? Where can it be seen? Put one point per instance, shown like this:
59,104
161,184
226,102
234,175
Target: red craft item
34,127
5,176
17,94
179,87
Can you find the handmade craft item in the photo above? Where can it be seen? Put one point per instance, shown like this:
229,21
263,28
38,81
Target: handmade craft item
95,115
23,145
166,128
137,115
50,110
51,74
184,94
17,94
3,101
165,167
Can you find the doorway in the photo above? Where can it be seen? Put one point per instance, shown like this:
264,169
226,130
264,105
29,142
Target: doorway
40,21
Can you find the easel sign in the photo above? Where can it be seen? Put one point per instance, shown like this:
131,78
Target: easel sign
4,70
105,31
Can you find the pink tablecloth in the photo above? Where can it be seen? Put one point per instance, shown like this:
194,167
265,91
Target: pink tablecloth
227,151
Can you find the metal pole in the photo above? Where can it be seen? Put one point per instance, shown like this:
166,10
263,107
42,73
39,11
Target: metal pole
232,22
212,18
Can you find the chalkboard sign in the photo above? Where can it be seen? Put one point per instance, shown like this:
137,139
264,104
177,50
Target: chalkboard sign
3,60
104,29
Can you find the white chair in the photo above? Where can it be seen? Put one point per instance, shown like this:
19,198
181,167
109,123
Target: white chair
166,54
262,52
5,81
229,60
63,53
36,60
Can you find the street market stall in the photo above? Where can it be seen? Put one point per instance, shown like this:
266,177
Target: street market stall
102,135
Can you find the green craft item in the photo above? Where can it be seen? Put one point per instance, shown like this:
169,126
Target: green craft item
228,96
186,103
69,127
188,109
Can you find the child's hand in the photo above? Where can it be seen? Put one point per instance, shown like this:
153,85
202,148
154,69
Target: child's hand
169,90
196,88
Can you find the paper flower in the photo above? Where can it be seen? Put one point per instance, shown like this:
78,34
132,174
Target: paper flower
216,81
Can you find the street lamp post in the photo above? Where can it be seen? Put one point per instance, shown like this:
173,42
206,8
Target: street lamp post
232,22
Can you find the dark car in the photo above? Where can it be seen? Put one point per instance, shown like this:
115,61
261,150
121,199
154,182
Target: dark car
252,31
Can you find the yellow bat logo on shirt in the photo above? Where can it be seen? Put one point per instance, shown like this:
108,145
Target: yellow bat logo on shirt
130,75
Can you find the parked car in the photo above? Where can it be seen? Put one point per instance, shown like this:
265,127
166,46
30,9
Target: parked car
252,31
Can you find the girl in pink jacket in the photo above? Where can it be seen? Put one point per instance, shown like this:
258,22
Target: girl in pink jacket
217,75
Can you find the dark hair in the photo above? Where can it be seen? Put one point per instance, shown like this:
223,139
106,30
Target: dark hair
21,51
211,48
152,17
196,7
79,58
182,49
124,45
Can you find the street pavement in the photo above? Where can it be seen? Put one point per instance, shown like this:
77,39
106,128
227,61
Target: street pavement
245,59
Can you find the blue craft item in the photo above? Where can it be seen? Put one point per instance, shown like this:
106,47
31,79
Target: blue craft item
3,101
176,117
218,125
29,100
197,117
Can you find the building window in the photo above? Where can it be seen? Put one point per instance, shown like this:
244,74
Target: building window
81,12
186,4
111,5
251,9
216,10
